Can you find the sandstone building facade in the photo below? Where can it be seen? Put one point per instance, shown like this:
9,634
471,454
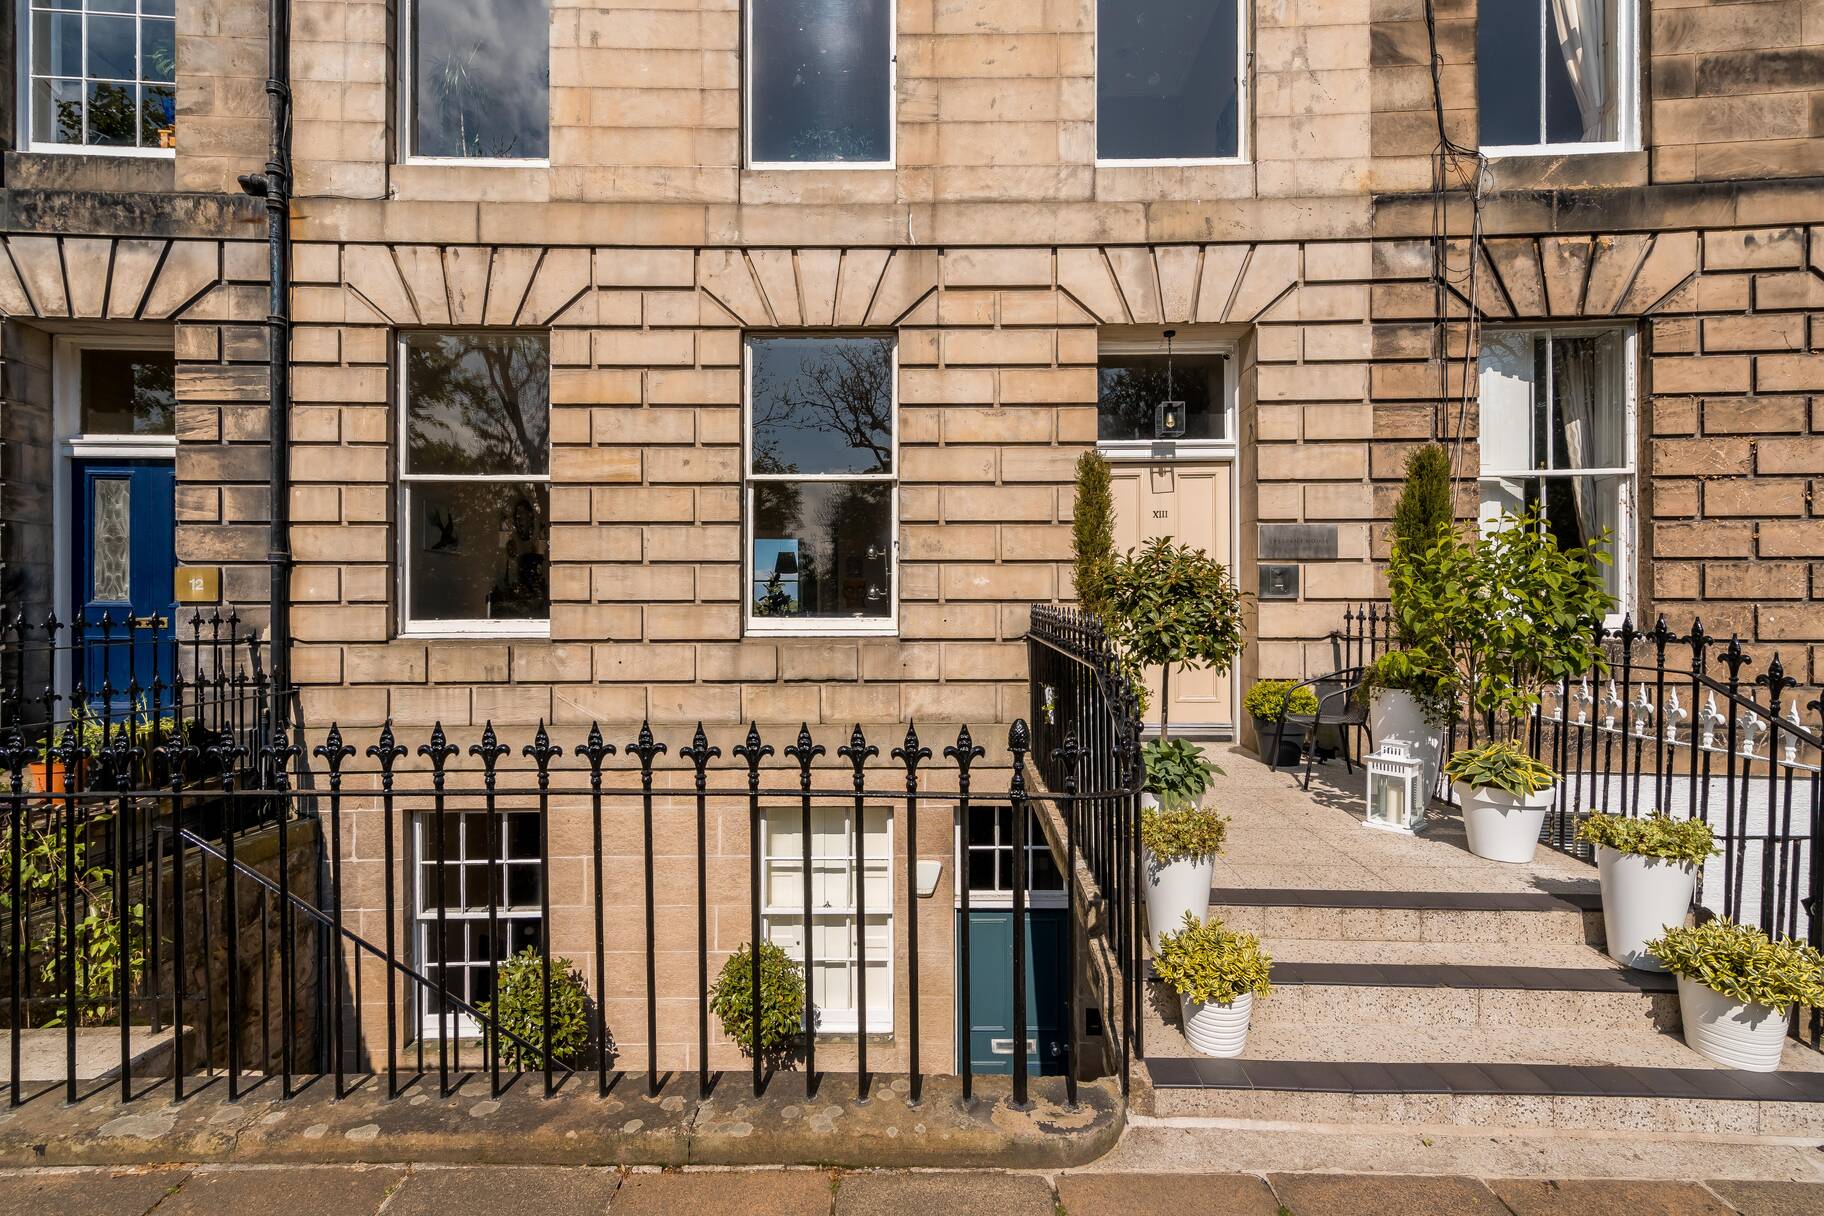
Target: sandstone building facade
692,360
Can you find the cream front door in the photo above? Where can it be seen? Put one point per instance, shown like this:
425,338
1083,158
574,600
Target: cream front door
1190,503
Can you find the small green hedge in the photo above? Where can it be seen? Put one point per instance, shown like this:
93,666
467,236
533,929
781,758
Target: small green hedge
1186,832
1689,841
1211,965
731,999
1500,766
1741,963
522,1011
1270,698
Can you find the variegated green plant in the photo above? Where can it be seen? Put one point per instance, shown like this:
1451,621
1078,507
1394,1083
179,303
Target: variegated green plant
1182,833
1688,841
1743,964
1500,766
1177,772
1211,965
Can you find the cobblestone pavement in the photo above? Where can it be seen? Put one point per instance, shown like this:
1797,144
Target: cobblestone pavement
554,1191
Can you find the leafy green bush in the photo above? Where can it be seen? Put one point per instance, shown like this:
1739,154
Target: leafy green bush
1092,532
522,1010
1404,671
731,998
1270,698
1211,965
1500,766
1689,841
1424,505
1186,832
1170,605
1176,772
1741,963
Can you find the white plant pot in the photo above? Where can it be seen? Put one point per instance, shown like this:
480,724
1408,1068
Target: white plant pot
1641,898
1500,826
1172,890
1720,1028
1218,1030
1396,715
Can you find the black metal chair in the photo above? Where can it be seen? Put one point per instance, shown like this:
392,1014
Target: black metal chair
1338,704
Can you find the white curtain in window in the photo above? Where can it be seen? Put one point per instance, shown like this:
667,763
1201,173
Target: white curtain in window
1582,36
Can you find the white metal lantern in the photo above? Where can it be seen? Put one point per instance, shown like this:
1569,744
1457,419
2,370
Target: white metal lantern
1397,799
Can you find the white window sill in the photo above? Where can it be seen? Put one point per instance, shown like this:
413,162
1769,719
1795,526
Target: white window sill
102,150
825,628
472,630
840,166
478,162
1174,162
1511,151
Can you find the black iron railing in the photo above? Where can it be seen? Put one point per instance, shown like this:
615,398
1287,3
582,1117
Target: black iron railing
1681,722
419,900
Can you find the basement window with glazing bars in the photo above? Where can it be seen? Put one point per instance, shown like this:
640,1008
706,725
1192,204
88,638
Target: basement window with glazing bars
452,899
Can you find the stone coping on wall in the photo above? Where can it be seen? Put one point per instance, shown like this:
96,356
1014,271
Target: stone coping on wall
576,1126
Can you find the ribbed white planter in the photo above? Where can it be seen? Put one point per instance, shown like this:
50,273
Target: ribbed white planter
1641,898
1396,715
1720,1028
1218,1030
1500,826
1172,890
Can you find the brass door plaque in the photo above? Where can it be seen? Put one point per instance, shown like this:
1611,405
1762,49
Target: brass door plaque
198,584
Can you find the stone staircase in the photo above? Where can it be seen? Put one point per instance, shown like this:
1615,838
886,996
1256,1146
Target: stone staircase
1415,985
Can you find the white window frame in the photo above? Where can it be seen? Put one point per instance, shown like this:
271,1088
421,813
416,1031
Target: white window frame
1625,543
814,627
749,58
22,22
407,95
837,1021
423,947
1154,450
1244,103
531,627
1627,89
993,898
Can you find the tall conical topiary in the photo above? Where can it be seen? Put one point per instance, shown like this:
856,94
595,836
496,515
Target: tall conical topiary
1426,502
1092,532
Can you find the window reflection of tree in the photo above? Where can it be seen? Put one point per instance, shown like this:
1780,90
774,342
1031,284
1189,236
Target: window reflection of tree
478,404
1128,392
847,394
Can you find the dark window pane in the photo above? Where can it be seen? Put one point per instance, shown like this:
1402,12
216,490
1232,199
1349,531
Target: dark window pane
822,405
113,115
522,886
523,935
822,549
158,50
57,44
821,80
128,392
522,835
477,403
1044,874
158,7
158,116
482,76
1129,387
478,551
981,825
1507,72
1166,79
1580,101
111,45
57,111
981,870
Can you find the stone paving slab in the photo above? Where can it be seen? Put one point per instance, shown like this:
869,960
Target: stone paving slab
952,1194
86,1192
746,1193
291,1190
1165,1195
577,1126
1358,1195
1535,1198
504,1191
1772,1198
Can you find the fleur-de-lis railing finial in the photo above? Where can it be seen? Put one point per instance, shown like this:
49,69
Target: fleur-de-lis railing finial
489,751
911,753
438,751
858,751
541,751
595,749
804,751
753,751
386,751
279,753
646,748
333,751
1708,719
699,752
1675,715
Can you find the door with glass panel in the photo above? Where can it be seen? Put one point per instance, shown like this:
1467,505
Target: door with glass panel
987,1038
1173,477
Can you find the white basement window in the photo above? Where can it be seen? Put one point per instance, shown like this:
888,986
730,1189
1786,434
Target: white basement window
464,898
474,482
1557,436
820,80
1556,76
1171,80
479,74
835,958
102,75
822,507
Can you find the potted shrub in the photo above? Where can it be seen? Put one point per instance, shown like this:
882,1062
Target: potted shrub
45,775
1649,870
1217,974
781,1021
1179,842
1406,701
1504,794
522,1011
1169,606
1736,989
1266,703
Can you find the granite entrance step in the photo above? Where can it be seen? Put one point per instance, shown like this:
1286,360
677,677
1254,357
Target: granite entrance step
1517,917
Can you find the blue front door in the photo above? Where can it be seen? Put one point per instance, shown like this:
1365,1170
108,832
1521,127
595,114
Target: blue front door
124,559
990,1032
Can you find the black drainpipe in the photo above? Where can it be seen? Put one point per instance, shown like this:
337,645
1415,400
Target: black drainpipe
274,185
